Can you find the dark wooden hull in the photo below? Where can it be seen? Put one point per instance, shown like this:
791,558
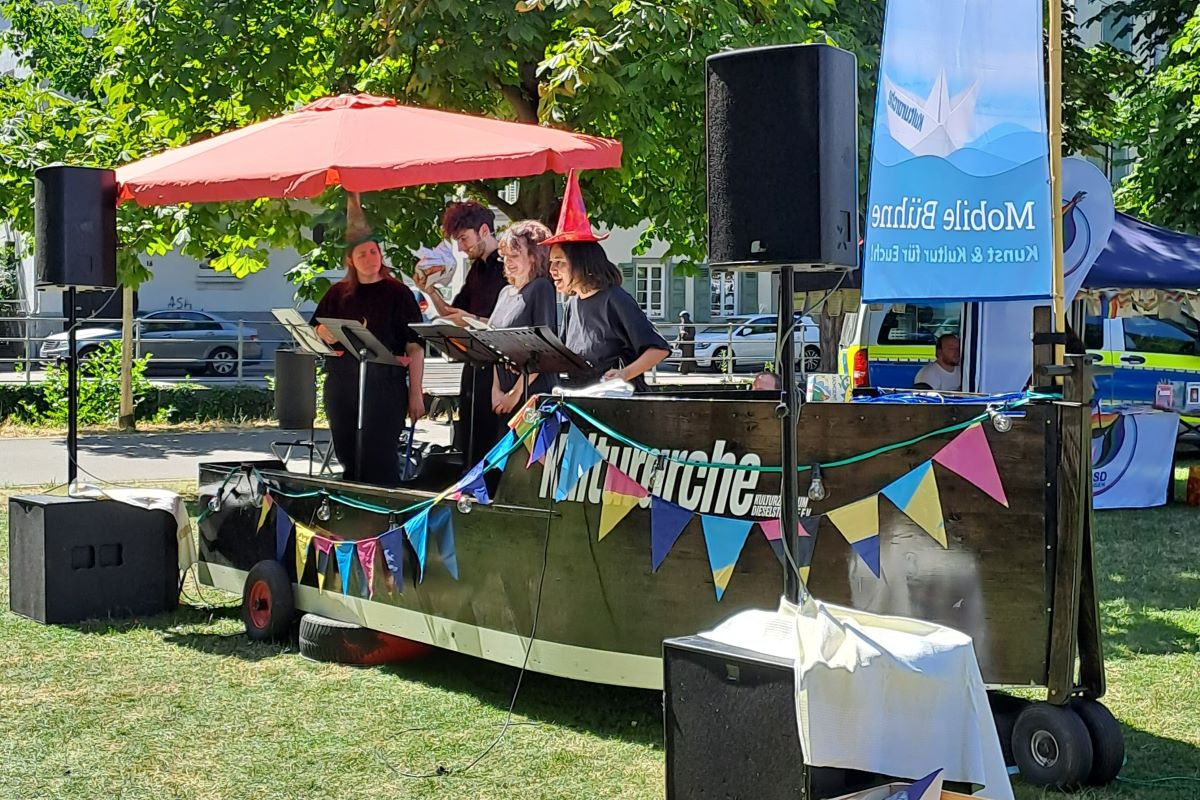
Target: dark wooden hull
604,613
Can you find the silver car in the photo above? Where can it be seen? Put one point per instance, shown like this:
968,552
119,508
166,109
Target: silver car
175,339
748,341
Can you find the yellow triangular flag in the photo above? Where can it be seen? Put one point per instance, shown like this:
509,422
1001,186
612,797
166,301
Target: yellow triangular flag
304,536
266,508
721,578
925,508
804,575
858,520
621,493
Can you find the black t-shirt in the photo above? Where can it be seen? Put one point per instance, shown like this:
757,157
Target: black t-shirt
535,304
610,331
482,286
386,308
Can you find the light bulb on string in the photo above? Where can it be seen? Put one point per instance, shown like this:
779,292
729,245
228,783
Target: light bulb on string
464,504
532,415
1001,421
816,487
214,503
323,512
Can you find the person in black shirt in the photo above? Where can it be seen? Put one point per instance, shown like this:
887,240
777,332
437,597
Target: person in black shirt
472,227
386,307
528,301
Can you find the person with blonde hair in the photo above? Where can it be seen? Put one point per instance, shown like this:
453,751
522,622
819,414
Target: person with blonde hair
528,301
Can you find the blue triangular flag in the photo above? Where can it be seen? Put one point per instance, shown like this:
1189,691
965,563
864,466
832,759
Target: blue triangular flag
919,789
417,530
578,458
441,529
283,530
901,490
392,545
546,436
497,457
345,561
868,550
474,484
667,521
725,538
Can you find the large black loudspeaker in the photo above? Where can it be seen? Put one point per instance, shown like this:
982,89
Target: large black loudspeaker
72,559
782,126
75,226
730,727
295,389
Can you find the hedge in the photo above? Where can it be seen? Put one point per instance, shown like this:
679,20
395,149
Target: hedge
185,403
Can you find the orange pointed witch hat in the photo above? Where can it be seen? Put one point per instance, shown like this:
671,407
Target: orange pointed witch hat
573,225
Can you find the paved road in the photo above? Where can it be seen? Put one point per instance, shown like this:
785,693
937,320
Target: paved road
147,456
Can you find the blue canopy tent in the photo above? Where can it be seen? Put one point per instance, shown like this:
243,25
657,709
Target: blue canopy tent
1144,256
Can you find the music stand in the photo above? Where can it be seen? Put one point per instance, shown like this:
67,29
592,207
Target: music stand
359,341
303,334
460,345
536,349
308,342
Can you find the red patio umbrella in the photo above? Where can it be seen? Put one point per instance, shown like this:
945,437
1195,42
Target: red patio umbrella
365,144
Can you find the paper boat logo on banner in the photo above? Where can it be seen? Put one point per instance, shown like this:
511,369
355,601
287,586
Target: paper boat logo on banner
934,126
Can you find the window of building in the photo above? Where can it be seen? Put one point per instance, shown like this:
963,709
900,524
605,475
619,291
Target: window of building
1093,333
650,289
913,324
724,293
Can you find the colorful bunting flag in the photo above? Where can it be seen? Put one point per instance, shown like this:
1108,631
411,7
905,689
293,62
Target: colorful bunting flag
916,494
267,502
323,546
546,436
344,551
519,425
858,523
283,530
304,537
417,530
577,460
806,545
621,493
366,557
497,457
667,521
969,456
441,530
773,532
725,538
473,484
392,545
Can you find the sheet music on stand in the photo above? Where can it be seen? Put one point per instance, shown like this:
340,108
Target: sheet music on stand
358,341
302,333
535,349
458,344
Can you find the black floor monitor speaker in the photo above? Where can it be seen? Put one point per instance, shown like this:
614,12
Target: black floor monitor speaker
75,226
782,128
730,727
295,389
73,559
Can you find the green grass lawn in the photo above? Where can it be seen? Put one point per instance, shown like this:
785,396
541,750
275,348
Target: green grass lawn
184,706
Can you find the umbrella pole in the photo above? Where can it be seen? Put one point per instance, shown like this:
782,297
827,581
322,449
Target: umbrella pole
362,399
1055,123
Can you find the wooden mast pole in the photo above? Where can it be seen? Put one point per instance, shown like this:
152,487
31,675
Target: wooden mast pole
1055,123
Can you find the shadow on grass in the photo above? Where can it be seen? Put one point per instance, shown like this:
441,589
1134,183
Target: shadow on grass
1151,758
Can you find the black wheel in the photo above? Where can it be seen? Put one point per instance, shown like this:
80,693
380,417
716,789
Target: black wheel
1005,710
87,353
268,604
811,362
222,362
719,358
325,639
1108,741
1052,747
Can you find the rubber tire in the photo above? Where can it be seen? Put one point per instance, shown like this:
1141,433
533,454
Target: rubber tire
212,363
1108,741
281,598
1073,760
85,353
1005,710
337,642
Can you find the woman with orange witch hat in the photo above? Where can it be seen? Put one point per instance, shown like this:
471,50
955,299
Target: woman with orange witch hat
602,323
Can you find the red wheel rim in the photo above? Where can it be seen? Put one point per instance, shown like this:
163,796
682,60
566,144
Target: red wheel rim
260,605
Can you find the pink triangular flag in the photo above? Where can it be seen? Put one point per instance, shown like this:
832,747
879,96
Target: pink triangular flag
366,557
773,530
969,456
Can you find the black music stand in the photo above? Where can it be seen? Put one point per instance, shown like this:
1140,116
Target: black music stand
360,342
531,350
308,342
462,346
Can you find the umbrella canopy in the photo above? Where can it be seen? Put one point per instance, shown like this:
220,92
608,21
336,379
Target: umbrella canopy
363,143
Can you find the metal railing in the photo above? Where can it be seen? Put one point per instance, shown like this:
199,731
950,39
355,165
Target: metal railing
725,349
31,342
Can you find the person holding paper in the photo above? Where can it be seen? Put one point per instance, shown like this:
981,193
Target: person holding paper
472,227
602,323
369,294
527,302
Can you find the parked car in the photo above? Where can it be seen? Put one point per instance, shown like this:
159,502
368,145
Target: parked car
1143,352
749,340
175,339
886,345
